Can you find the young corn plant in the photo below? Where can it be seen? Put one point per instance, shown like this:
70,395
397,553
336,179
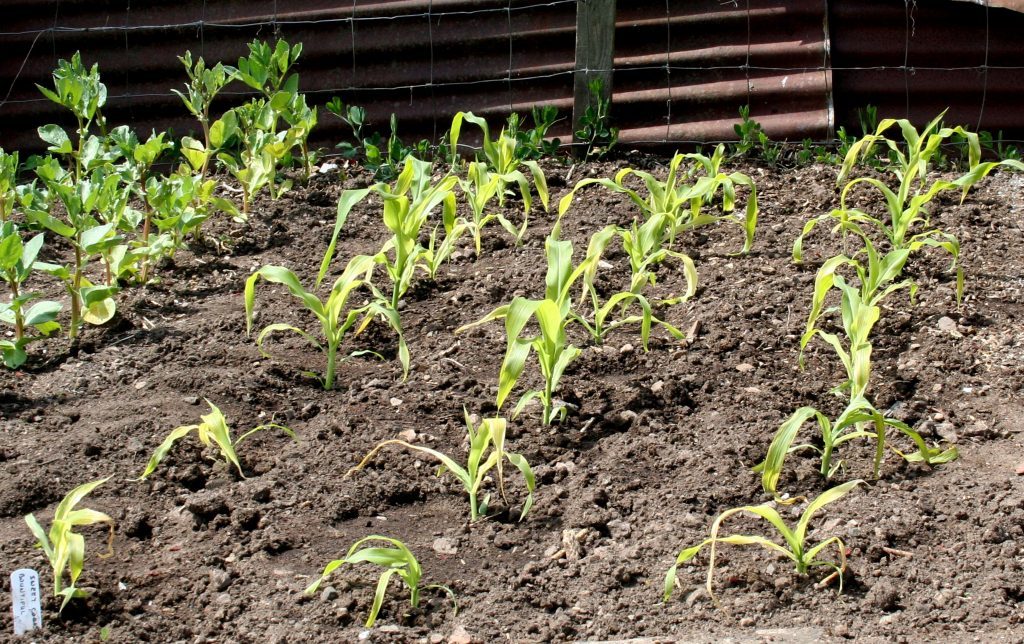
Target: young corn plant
906,223
503,157
610,315
553,316
675,206
65,548
486,452
794,544
16,262
860,419
480,187
212,430
335,316
396,560
407,206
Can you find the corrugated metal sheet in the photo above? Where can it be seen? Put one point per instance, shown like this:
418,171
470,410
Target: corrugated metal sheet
682,68
914,60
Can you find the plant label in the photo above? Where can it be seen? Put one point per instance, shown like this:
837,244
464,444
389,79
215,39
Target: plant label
28,615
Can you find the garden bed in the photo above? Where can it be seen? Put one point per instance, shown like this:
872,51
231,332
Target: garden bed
657,445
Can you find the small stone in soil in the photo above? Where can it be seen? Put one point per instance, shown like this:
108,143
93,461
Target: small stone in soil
445,546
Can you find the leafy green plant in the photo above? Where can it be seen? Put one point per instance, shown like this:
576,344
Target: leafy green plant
266,69
16,262
397,560
80,91
533,143
8,183
335,320
860,419
754,141
203,86
212,430
64,548
486,452
88,237
794,547
595,124
301,119
503,157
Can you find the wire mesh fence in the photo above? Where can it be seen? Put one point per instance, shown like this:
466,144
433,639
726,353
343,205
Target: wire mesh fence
681,69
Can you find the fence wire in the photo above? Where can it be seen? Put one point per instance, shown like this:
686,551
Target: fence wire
796,63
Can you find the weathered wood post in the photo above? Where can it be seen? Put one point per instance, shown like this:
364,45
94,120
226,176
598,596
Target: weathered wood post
595,55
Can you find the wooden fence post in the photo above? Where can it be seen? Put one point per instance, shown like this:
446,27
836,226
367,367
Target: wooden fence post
595,54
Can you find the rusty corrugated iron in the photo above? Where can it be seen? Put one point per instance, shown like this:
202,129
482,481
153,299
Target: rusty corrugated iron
915,60
682,69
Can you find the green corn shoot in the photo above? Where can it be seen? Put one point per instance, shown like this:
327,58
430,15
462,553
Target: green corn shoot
407,206
335,320
860,419
552,314
489,435
795,547
397,560
64,548
481,187
212,430
676,206
503,156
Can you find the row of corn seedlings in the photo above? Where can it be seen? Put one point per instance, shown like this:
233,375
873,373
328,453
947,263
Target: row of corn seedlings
904,228
669,208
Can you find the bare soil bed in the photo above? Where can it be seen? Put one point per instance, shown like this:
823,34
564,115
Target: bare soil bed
659,443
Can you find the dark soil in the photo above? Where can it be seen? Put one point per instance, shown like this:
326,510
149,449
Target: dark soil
658,444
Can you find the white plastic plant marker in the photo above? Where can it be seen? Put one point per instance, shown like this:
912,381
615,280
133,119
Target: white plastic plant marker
28,615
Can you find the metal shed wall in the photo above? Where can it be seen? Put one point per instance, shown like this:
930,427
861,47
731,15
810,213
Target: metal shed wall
682,67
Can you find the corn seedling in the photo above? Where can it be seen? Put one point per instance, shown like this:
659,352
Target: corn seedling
397,560
213,429
16,262
907,223
64,548
486,452
794,547
407,206
502,156
553,316
480,187
860,419
674,206
606,317
335,319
